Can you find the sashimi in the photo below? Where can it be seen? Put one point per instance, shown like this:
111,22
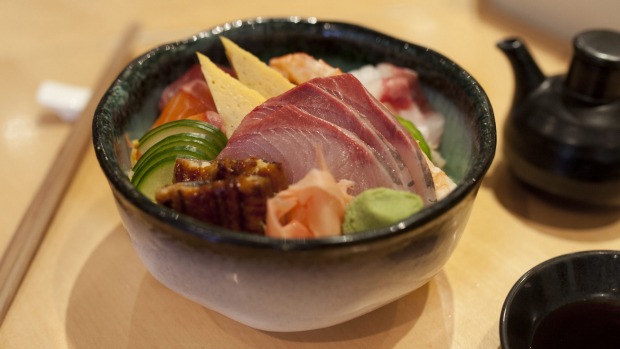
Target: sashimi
349,89
321,104
191,74
190,99
400,90
290,136
363,126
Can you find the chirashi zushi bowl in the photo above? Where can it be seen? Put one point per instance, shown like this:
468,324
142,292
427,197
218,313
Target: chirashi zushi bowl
293,174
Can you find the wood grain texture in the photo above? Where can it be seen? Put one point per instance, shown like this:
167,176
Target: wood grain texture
31,230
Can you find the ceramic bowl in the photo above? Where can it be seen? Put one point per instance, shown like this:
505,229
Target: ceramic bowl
582,285
293,285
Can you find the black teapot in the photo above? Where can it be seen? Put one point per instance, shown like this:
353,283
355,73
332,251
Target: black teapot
562,135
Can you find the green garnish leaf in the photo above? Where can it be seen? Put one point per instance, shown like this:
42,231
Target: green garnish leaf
416,134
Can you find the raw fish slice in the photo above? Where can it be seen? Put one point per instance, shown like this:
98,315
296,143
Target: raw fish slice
254,117
347,88
399,89
191,74
192,99
291,137
321,104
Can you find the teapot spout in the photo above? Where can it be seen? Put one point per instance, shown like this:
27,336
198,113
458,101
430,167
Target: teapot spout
528,75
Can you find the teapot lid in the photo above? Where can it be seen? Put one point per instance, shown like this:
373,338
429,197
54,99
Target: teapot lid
594,74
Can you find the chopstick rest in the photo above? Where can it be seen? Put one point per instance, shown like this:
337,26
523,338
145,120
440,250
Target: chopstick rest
67,101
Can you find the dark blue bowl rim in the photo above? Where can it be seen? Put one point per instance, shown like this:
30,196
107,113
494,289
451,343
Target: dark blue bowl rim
195,229
503,329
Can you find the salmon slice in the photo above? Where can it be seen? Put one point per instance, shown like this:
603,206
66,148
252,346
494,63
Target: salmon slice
192,101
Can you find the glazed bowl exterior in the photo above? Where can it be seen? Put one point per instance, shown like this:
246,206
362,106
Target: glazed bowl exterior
560,281
294,285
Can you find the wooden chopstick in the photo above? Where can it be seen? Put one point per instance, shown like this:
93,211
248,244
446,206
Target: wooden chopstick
38,216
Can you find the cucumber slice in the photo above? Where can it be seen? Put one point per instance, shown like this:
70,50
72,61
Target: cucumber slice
181,126
143,167
161,147
202,142
158,175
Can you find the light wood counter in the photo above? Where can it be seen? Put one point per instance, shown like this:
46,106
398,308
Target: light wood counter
86,287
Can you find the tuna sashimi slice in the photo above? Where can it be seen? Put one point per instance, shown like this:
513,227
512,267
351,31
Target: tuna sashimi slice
290,136
319,103
347,88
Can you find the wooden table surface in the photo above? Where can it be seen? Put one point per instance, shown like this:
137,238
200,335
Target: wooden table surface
86,288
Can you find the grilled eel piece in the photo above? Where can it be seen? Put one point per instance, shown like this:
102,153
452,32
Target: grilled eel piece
189,170
228,193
